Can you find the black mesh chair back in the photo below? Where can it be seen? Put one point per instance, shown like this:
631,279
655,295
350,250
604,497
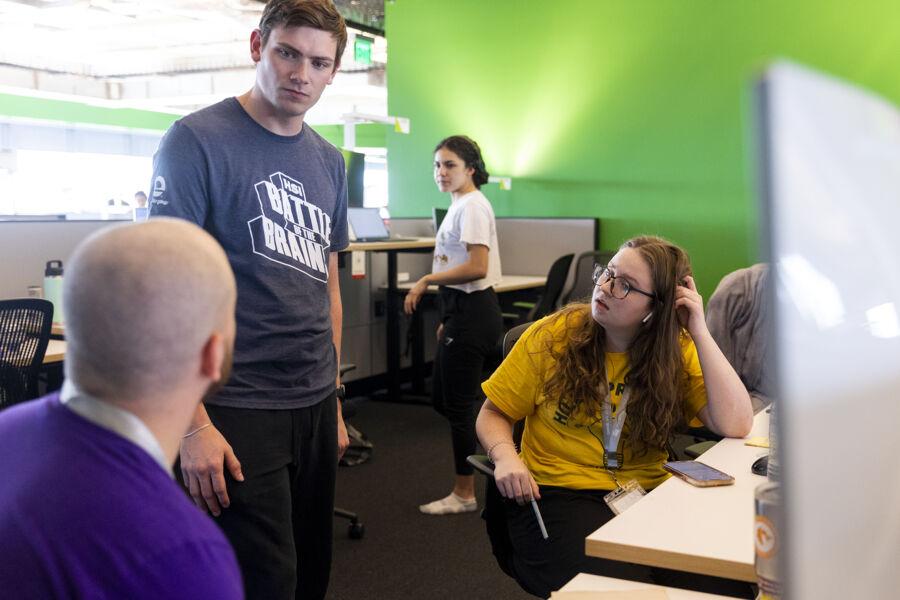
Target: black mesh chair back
582,286
24,334
512,336
509,340
556,280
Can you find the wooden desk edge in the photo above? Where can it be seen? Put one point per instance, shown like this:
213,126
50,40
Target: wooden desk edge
55,353
501,287
422,243
671,560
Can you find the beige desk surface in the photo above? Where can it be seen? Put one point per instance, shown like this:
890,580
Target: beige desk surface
508,283
425,242
595,583
57,329
686,528
56,352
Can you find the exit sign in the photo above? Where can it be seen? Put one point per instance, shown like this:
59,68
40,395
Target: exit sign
362,50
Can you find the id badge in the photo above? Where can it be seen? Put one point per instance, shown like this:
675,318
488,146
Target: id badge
623,497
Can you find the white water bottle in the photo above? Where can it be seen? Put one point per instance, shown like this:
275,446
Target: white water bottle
53,288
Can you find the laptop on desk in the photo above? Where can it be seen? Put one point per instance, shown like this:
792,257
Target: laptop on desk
366,225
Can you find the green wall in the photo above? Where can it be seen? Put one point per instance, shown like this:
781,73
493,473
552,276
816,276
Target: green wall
11,105
634,111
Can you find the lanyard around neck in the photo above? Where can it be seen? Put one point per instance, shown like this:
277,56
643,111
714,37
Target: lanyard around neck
612,431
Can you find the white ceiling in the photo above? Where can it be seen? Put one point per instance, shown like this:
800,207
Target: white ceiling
172,55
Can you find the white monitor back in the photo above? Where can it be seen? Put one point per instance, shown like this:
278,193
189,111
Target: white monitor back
831,208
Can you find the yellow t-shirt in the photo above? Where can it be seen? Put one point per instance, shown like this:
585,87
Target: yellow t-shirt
565,450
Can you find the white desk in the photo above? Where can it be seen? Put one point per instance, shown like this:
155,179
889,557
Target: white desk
416,244
686,528
56,352
595,583
508,283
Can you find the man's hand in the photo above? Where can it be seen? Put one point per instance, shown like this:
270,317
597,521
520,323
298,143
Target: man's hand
203,458
343,438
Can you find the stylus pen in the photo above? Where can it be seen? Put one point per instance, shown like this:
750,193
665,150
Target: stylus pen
489,471
540,519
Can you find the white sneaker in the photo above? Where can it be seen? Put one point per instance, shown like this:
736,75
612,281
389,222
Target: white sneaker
450,505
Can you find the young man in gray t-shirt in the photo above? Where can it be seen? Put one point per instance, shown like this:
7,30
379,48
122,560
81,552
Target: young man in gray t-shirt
262,455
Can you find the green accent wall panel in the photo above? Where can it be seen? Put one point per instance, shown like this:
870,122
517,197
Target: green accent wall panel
79,112
368,135
12,105
634,111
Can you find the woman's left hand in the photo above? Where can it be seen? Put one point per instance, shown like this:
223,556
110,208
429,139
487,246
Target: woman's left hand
414,295
689,307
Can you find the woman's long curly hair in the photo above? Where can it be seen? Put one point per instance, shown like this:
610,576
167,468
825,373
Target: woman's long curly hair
654,357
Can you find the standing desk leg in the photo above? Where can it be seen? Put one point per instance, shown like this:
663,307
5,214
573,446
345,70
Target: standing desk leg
393,329
394,305
418,351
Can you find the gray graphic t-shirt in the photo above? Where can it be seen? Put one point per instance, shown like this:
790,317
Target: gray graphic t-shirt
278,206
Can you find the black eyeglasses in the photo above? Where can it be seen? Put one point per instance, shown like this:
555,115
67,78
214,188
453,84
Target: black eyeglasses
618,288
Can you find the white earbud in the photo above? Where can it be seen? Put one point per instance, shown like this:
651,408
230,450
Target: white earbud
647,318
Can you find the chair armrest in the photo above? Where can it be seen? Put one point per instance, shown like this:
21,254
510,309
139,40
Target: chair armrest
481,463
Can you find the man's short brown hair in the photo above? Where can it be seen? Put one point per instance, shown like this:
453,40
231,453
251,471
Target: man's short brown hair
318,14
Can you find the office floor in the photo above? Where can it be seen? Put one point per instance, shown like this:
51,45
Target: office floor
404,553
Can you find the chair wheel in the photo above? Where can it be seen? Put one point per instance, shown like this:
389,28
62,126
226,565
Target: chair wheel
356,531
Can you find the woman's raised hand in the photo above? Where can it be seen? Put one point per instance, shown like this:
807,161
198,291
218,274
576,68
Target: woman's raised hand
689,307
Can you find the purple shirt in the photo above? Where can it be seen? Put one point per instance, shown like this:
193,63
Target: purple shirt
85,513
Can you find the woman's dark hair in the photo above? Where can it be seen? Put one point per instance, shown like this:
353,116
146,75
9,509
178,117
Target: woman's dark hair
466,148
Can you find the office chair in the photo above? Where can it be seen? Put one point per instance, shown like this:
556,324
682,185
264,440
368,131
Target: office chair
547,302
24,334
582,285
355,530
509,340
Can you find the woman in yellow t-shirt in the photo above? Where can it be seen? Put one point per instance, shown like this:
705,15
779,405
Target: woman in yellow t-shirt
601,387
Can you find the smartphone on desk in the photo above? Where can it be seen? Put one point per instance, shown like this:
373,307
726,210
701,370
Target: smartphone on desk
698,474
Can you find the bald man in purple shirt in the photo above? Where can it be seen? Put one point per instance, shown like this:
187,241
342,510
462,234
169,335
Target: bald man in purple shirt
88,504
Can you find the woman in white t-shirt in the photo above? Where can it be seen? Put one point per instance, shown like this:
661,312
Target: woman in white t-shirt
466,267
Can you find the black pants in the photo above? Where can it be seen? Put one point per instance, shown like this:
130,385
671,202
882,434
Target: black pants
280,518
473,324
543,566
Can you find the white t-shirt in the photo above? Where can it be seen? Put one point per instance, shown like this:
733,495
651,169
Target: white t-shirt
469,220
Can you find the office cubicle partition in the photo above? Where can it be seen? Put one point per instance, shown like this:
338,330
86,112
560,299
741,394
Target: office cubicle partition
26,246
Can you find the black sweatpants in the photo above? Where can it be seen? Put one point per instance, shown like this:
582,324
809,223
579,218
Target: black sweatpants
543,566
473,325
280,518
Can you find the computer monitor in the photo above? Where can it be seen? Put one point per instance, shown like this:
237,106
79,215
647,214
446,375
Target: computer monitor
437,217
831,211
355,165
366,224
